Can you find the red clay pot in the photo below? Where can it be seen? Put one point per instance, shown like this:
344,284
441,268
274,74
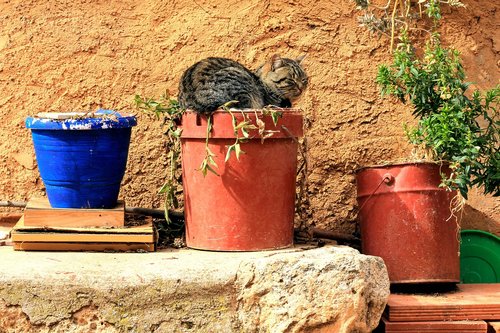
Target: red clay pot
250,206
406,219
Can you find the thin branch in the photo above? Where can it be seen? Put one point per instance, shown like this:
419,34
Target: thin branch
393,17
8,203
385,7
131,210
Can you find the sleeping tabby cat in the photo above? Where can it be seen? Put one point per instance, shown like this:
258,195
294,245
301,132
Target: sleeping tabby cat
212,82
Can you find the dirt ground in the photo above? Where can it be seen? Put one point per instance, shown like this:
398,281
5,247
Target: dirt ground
81,55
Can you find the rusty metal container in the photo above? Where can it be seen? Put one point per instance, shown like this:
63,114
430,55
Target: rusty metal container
406,218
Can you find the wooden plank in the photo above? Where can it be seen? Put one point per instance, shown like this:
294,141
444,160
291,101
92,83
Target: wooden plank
38,212
20,226
33,246
435,326
469,302
141,234
84,239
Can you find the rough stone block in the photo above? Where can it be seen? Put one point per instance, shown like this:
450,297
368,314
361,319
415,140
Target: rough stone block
329,289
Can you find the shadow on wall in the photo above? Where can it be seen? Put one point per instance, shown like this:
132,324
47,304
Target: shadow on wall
475,219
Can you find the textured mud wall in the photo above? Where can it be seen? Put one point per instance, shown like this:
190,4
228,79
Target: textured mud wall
80,55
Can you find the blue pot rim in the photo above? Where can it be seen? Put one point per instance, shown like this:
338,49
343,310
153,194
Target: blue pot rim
115,121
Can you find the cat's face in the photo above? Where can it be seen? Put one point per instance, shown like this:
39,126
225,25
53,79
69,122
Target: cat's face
284,75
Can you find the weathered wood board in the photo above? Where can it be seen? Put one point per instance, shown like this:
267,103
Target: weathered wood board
38,212
142,237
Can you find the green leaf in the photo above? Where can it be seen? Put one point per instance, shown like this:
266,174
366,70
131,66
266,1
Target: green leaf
228,154
245,133
203,167
275,115
227,105
211,170
414,71
238,151
211,161
165,188
463,192
241,125
209,152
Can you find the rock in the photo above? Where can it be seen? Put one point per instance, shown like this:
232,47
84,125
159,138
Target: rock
332,289
329,289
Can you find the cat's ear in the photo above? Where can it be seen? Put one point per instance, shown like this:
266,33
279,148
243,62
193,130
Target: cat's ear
270,65
276,62
299,59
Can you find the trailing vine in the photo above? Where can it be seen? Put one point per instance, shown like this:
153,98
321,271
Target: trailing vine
168,109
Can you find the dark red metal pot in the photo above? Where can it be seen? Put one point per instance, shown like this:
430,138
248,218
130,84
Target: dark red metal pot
250,206
406,218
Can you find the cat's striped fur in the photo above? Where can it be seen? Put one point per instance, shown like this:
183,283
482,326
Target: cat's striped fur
212,82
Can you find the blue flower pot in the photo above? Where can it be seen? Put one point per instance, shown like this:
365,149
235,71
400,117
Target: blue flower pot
82,161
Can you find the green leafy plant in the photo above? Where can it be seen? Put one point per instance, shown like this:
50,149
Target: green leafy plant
454,125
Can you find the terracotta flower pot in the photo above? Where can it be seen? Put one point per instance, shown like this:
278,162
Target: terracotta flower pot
250,206
406,218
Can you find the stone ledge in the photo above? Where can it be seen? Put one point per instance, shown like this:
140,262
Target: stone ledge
328,289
